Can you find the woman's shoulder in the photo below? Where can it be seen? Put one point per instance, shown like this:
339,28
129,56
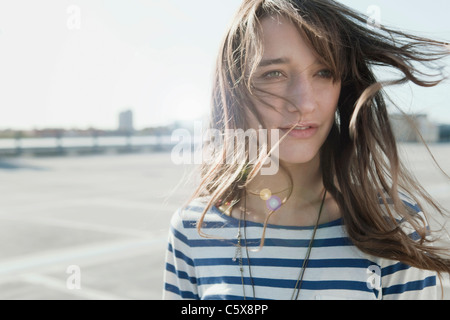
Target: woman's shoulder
411,206
189,215
413,218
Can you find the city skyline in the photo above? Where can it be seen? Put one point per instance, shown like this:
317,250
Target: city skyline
79,64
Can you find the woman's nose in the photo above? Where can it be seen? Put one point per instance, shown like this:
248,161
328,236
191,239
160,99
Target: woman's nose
301,97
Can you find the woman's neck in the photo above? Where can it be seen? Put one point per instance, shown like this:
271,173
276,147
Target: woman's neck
300,208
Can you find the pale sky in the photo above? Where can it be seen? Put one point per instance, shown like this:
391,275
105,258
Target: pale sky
79,63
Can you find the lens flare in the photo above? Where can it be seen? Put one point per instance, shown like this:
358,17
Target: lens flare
274,203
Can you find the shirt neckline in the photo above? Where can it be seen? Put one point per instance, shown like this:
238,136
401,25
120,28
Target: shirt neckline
235,221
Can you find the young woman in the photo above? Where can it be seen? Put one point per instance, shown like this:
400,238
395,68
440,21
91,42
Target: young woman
341,218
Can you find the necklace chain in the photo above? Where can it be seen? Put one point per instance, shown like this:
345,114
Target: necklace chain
239,256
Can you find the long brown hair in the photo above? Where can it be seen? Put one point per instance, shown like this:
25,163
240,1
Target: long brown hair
360,163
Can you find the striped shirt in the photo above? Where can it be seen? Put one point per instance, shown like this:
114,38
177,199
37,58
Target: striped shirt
205,268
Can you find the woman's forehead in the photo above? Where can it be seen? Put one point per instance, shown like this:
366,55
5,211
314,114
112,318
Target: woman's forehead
283,42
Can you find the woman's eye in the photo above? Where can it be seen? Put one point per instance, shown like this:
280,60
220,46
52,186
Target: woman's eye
273,75
326,74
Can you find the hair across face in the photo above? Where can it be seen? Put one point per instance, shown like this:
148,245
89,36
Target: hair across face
293,92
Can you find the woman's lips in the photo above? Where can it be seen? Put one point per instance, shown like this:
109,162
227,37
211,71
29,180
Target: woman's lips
301,131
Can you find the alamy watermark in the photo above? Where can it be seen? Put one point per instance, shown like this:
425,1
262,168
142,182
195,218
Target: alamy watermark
374,17
73,281
238,142
374,279
74,17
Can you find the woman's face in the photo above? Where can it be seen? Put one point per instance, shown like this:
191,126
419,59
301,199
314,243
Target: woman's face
298,87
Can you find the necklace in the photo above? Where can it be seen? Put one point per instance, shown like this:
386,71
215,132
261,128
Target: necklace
239,255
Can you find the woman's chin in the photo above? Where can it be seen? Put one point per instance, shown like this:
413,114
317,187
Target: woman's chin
294,158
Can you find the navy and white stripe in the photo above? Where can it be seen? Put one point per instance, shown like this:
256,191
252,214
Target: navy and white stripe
203,268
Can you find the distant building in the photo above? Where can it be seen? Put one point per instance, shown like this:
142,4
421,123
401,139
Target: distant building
444,133
126,121
405,128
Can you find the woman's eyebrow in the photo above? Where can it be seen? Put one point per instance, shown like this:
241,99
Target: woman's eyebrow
269,62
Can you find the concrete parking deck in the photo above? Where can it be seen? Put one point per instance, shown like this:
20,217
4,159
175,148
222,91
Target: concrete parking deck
108,216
